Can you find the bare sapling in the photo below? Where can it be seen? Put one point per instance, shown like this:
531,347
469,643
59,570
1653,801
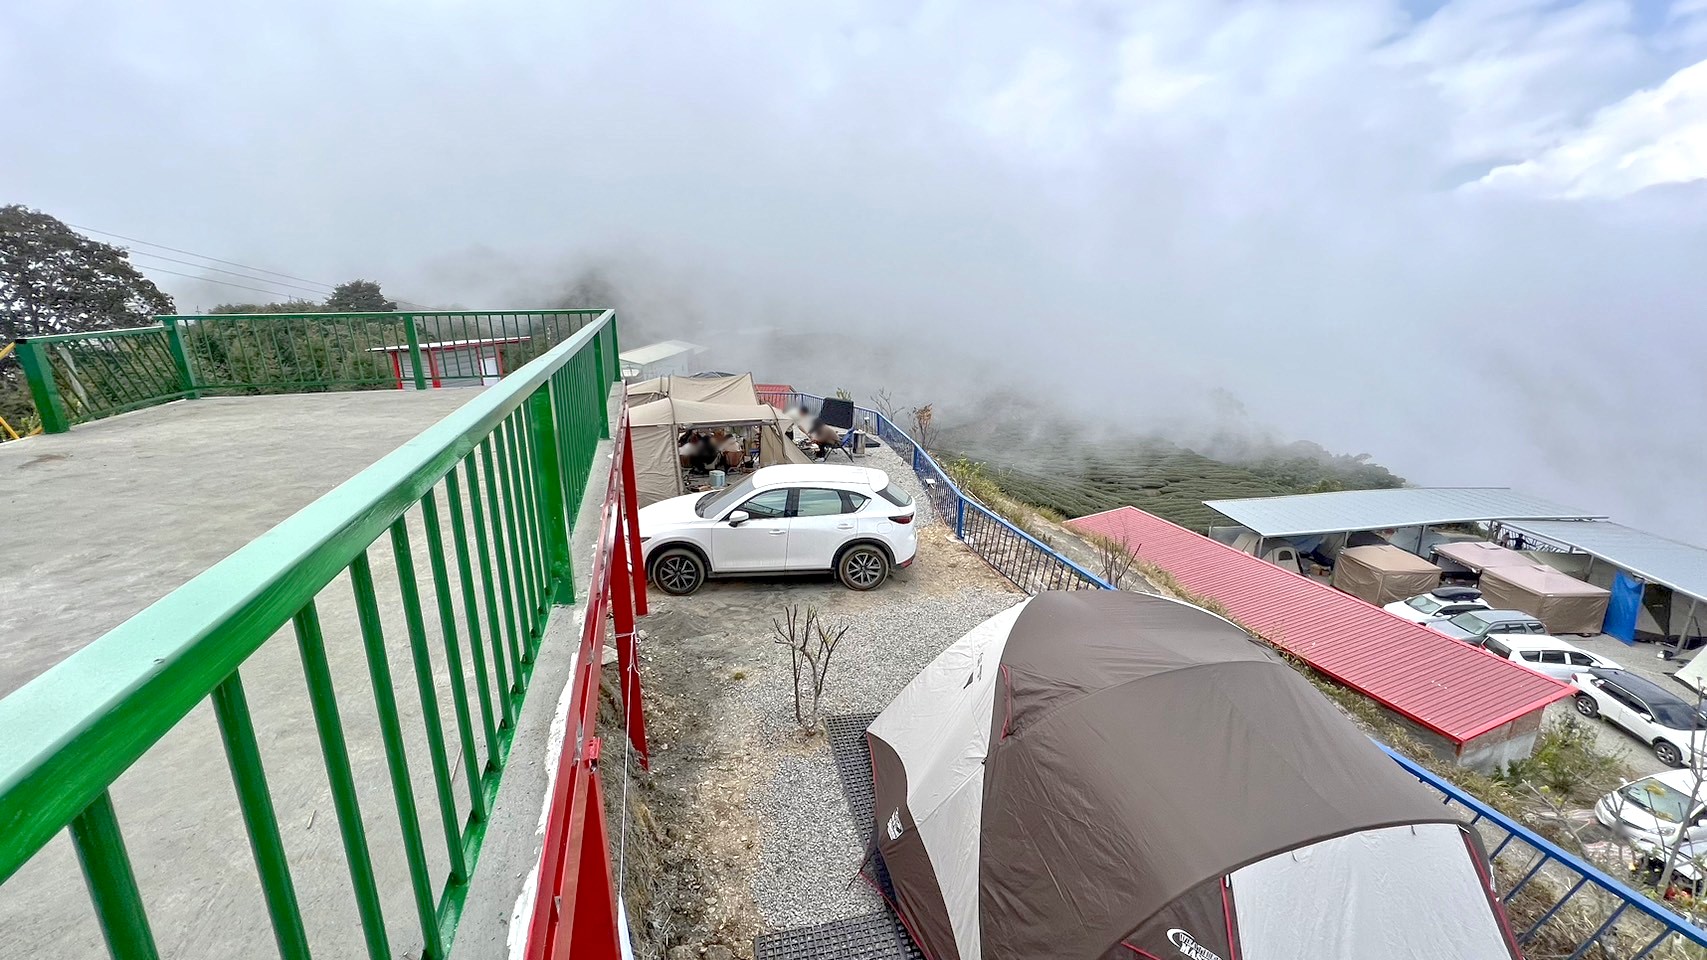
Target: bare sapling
1115,557
811,645
886,405
922,434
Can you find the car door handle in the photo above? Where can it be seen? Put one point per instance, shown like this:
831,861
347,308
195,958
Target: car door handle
778,533
844,526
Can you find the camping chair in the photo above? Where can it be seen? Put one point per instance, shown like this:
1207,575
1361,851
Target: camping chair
847,444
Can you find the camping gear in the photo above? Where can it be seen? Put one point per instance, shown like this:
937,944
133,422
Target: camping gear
1564,603
654,428
1623,607
717,479
729,389
1475,556
837,413
1098,774
1383,574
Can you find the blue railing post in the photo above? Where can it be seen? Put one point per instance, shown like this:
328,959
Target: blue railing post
960,517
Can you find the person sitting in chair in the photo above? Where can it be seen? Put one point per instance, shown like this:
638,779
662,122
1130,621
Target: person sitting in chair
826,437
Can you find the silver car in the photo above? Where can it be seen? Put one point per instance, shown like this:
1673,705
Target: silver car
1476,626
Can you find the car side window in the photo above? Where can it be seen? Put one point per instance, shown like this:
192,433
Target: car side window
770,505
1535,627
819,503
1498,649
1533,656
1553,656
1581,660
1619,695
853,502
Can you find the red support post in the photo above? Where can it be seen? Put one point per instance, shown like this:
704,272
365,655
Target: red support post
631,510
627,665
592,925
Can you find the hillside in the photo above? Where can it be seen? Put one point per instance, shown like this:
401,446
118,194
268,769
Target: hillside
1073,468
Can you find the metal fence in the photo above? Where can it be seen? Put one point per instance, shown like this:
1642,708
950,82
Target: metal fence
78,377
493,490
1561,905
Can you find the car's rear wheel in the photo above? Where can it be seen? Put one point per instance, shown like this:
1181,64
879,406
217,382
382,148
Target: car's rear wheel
1587,707
862,567
678,571
1668,753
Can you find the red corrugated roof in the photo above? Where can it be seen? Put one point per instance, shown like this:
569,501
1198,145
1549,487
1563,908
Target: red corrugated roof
773,388
1449,687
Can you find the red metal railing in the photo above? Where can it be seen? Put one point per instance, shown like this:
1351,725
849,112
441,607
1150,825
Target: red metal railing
575,908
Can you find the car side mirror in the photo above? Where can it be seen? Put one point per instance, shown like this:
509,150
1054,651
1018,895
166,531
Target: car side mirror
738,517
1645,716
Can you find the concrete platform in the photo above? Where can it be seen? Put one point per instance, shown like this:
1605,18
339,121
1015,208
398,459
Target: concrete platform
103,520
97,523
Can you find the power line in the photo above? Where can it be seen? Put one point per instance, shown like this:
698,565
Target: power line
189,263
232,263
191,253
191,276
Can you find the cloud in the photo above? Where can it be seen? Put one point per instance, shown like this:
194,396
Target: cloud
1649,138
1127,207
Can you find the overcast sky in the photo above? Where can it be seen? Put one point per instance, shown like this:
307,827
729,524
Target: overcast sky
1467,239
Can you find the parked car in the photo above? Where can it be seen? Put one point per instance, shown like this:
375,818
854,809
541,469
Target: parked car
1477,625
1649,811
1548,655
796,518
1674,727
1441,603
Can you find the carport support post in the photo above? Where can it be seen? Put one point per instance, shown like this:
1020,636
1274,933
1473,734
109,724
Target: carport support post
556,519
1688,618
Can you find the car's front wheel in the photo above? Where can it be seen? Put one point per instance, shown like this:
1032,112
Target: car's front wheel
678,571
862,567
1668,753
1587,707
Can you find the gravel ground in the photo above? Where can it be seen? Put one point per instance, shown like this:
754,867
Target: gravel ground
749,771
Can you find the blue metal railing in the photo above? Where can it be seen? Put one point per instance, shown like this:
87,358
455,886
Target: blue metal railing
1618,923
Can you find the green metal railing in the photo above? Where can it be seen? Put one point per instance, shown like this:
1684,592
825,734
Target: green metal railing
75,378
507,470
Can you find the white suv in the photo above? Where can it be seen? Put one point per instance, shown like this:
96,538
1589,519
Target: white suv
786,519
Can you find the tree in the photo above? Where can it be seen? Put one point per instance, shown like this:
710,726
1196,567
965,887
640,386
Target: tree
286,306
359,296
55,280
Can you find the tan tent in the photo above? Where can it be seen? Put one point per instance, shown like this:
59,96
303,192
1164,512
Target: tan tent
1478,555
1564,603
703,389
1383,574
656,426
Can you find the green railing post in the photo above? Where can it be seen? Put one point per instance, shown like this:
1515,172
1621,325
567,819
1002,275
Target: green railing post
615,353
112,884
180,358
414,336
554,515
38,373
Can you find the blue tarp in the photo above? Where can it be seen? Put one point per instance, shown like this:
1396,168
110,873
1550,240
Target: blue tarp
1623,607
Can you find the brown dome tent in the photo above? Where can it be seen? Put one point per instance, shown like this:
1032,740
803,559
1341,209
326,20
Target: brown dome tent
1098,774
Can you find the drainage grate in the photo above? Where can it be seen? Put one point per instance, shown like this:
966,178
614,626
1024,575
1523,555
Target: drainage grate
853,765
875,936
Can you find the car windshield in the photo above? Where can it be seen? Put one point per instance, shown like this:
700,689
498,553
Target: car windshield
1679,716
1470,623
1658,799
1424,604
718,501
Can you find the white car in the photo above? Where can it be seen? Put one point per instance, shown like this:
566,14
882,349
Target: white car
796,518
1649,812
1549,655
1441,604
1673,727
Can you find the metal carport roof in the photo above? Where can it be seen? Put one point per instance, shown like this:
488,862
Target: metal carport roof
1348,510
1452,688
1669,563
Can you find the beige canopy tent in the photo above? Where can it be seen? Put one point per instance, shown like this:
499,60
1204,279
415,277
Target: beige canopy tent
703,389
656,426
1479,555
1383,574
1564,603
